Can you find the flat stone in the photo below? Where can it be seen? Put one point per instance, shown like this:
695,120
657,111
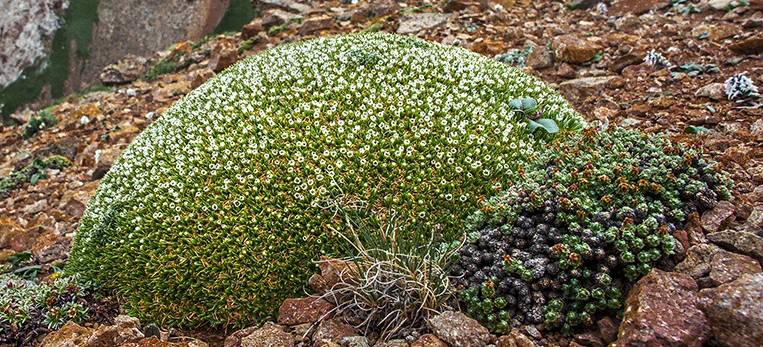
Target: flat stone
303,310
718,218
316,24
741,242
333,330
580,88
714,91
458,330
750,45
661,311
429,340
414,22
735,311
607,329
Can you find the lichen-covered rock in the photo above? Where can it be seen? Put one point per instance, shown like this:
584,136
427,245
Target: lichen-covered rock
270,335
741,242
661,311
735,311
216,211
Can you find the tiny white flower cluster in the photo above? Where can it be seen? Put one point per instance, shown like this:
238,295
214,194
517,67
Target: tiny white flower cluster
252,158
740,87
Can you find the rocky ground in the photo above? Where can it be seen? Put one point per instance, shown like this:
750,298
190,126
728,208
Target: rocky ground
592,54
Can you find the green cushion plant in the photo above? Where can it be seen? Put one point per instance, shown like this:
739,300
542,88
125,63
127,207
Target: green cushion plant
216,211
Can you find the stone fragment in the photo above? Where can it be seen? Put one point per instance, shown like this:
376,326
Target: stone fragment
540,58
521,340
718,218
728,266
224,54
333,270
70,335
251,29
412,23
591,339
578,89
429,340
574,49
750,45
392,343
270,335
354,341
234,340
716,32
333,330
126,70
316,24
624,61
581,4
303,310
458,330
636,7
198,77
661,311
735,311
714,91
740,242
35,207
607,329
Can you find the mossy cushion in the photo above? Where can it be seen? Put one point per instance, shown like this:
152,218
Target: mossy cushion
216,211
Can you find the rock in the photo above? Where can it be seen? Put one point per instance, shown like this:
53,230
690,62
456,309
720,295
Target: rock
13,236
333,270
750,45
714,91
629,122
70,335
105,159
198,77
589,339
627,22
624,61
532,331
540,58
304,310
318,283
73,201
661,311
224,54
521,340
581,4
251,29
718,218
574,49
735,311
316,24
698,260
126,70
333,330
566,71
455,5
50,247
354,341
66,148
741,242
270,335
35,207
234,340
429,340
716,32
636,7
754,221
458,330
273,19
412,23
607,329
578,89
489,47
393,343
728,266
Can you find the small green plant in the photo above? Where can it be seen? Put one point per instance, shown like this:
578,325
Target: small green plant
277,29
246,45
530,109
28,308
397,278
579,225
693,69
163,66
32,173
43,119
737,3
741,88
516,57
685,8
656,60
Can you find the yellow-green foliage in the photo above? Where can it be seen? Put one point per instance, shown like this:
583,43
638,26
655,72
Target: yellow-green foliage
215,212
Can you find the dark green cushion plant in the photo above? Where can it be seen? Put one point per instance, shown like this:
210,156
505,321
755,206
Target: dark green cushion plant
581,222
215,212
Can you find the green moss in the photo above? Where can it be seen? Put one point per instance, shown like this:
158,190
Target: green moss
238,14
215,212
43,119
245,46
163,66
278,28
77,26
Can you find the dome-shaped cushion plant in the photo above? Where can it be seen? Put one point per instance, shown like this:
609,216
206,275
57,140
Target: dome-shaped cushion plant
215,212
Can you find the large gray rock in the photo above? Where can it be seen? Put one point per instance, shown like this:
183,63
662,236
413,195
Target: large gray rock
735,311
458,330
661,311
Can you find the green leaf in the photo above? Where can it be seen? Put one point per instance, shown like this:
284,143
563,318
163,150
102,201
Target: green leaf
21,257
532,125
529,104
548,124
516,104
33,180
